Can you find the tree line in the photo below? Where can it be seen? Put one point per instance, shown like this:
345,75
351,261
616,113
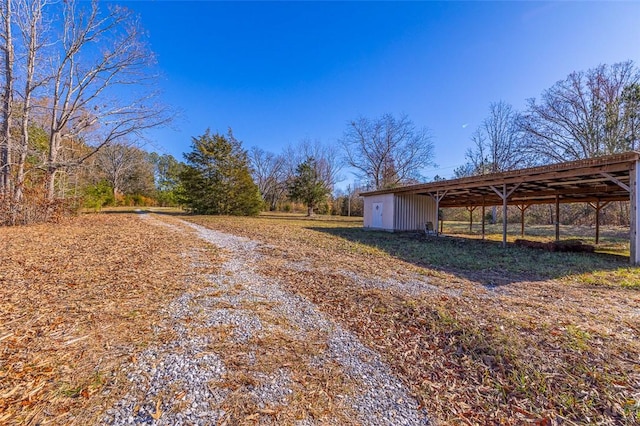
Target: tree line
587,114
75,78
77,95
220,177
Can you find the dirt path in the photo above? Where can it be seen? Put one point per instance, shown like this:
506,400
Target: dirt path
248,351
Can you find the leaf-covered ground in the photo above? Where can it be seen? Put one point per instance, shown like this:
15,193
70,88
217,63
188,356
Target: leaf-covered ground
504,337
77,299
501,336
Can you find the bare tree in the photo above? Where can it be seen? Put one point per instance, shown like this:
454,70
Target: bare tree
499,142
387,151
585,115
30,23
270,174
498,145
8,58
89,86
631,107
464,170
327,161
122,165
93,96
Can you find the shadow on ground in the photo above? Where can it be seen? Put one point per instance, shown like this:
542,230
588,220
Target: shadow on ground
485,261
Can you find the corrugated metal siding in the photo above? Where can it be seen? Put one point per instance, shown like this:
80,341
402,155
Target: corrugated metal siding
413,211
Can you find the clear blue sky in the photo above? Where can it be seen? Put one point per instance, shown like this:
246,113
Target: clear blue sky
280,72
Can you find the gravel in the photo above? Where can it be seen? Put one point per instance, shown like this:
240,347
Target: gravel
413,286
182,382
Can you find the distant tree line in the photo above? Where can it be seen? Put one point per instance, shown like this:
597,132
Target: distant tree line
71,123
382,152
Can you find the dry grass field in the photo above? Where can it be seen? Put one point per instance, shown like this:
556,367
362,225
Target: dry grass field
515,336
77,299
505,337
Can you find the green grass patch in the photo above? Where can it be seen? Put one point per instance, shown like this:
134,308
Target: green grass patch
623,276
463,255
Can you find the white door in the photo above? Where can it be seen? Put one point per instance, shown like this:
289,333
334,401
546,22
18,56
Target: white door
376,221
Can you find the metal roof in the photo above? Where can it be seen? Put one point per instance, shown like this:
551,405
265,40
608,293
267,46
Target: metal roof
596,179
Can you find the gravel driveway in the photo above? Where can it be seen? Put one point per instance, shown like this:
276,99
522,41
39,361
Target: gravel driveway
243,341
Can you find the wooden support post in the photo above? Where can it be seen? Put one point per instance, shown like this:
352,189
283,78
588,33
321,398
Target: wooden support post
471,210
522,209
598,222
504,195
483,219
437,213
634,210
557,218
599,205
437,198
504,217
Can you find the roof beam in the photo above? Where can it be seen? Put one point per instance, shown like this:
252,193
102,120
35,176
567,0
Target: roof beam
612,165
616,181
547,199
504,195
605,177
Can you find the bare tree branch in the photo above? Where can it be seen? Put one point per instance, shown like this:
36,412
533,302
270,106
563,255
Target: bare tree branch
270,174
585,115
387,151
98,56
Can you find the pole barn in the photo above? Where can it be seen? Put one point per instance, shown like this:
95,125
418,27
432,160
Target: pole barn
596,181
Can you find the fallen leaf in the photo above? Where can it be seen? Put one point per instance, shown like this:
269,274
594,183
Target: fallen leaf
158,412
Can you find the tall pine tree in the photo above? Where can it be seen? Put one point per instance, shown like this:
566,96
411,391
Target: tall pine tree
216,177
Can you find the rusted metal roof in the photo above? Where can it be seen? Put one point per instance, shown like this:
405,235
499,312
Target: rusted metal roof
596,179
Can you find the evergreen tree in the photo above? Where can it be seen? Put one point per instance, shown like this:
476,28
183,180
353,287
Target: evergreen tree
216,177
307,186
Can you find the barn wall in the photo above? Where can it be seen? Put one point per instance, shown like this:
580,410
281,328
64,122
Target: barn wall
387,211
413,211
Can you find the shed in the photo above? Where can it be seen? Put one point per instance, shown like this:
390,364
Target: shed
398,212
596,181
